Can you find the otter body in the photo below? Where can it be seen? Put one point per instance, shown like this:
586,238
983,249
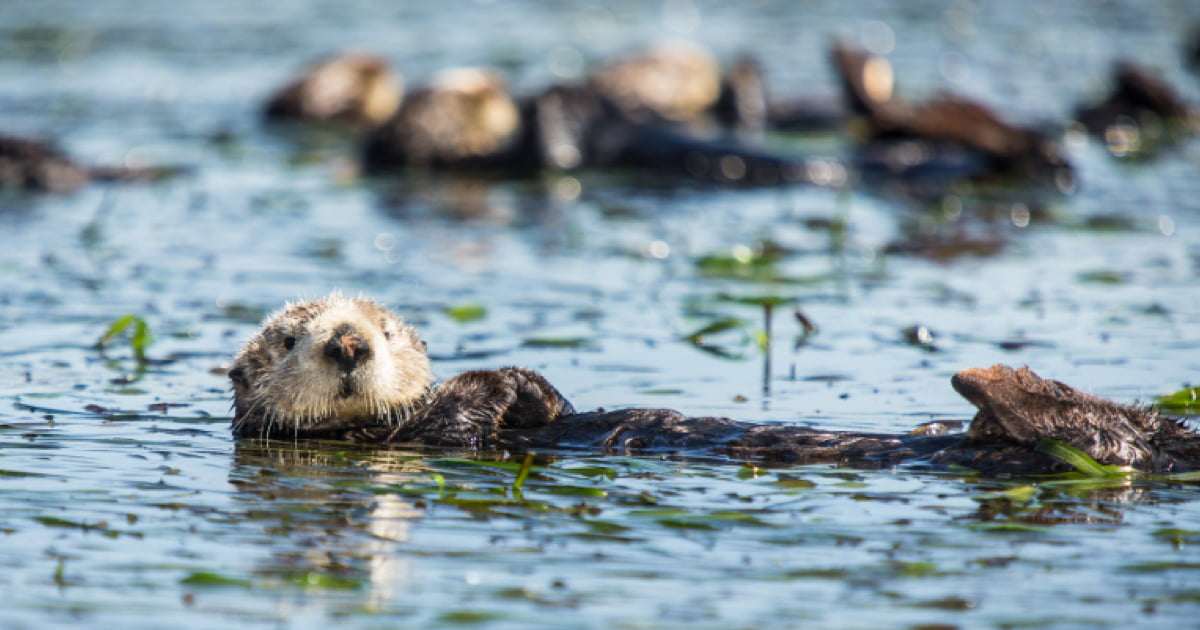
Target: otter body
466,120
947,137
350,369
1142,113
35,166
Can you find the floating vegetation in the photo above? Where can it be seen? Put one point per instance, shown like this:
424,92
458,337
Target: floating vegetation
523,473
743,263
660,391
138,333
208,579
316,580
1105,276
755,300
1184,401
745,337
579,343
469,617
466,312
1177,536
1082,463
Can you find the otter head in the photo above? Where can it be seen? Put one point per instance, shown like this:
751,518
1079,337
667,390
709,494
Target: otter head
1018,406
463,114
327,365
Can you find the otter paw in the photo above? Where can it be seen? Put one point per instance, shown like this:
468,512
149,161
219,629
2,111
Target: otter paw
470,409
536,402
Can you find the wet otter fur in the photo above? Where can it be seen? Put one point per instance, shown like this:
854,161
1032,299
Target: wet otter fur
347,368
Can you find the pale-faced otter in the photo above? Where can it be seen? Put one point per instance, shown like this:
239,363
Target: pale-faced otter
329,365
463,118
347,368
354,89
679,81
35,166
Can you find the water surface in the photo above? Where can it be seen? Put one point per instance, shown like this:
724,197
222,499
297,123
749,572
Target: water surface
125,502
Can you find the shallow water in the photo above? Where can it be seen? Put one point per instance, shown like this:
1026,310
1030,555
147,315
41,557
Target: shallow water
118,512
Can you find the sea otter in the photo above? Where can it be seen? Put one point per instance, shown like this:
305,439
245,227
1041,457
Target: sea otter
35,166
1141,114
355,89
466,120
463,118
348,368
947,136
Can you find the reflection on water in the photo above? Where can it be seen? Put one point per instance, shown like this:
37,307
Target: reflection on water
119,509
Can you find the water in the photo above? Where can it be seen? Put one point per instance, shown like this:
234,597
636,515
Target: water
116,511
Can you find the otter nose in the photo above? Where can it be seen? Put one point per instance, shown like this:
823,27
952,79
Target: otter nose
347,347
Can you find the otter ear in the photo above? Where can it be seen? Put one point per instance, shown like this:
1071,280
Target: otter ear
238,376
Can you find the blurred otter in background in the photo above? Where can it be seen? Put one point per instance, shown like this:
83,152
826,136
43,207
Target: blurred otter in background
677,81
1141,113
354,89
946,137
682,82
35,166
465,119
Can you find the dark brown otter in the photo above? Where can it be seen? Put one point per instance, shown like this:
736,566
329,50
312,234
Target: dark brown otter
948,129
39,167
349,369
1141,113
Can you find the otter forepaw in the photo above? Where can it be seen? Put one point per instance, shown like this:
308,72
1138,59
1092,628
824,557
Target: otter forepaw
536,403
470,409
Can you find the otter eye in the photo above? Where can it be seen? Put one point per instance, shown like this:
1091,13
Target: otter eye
289,343
238,376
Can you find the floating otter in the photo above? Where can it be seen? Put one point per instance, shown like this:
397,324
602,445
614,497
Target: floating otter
682,82
678,81
39,167
347,368
464,118
947,135
354,89
1140,114
562,128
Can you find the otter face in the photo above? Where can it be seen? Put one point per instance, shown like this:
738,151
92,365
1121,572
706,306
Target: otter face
328,364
